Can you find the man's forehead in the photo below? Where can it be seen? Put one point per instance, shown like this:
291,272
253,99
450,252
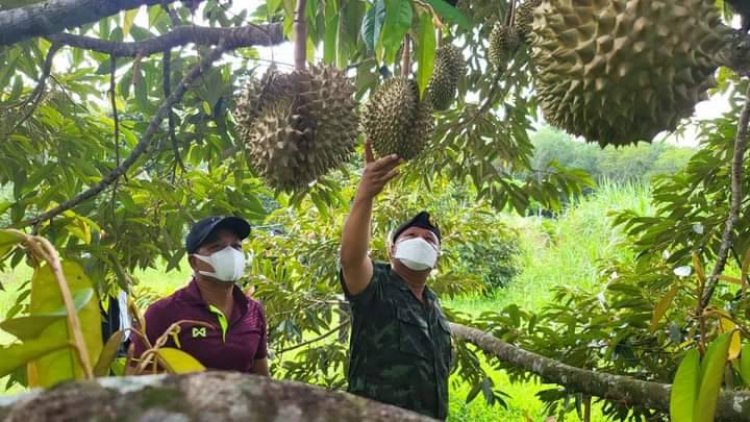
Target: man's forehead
420,230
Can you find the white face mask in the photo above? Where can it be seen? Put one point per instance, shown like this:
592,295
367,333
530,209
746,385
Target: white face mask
228,263
417,254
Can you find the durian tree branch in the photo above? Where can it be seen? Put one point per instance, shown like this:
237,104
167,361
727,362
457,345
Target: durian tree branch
243,36
37,94
142,145
300,36
57,15
732,406
405,57
738,157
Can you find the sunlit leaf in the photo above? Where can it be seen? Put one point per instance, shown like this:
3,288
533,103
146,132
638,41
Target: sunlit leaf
127,21
685,388
29,327
661,308
108,355
711,376
17,355
45,298
398,14
8,239
727,326
745,364
178,362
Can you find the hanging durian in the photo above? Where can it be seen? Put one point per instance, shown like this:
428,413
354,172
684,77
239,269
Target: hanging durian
396,121
525,17
450,66
504,41
619,71
298,126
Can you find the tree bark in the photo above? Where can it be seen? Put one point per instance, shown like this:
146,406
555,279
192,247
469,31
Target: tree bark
244,36
208,396
56,15
734,406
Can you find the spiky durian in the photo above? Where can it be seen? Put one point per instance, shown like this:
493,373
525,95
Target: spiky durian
619,71
525,17
504,41
450,66
304,125
396,121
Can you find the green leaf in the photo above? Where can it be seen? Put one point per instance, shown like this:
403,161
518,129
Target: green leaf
178,362
108,355
745,364
17,355
331,40
425,49
661,308
62,365
127,21
398,14
8,239
685,388
450,13
29,327
141,91
712,374
17,89
372,23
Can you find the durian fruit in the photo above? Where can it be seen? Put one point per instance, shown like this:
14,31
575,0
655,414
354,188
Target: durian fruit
450,66
525,17
396,121
298,126
504,41
619,71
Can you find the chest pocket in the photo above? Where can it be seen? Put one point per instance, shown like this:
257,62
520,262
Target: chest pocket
446,343
413,333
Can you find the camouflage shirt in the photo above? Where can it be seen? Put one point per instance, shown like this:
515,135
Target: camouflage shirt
400,348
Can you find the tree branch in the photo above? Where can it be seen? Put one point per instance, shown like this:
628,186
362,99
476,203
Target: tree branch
740,145
405,57
142,145
316,339
300,36
38,93
54,16
243,36
734,406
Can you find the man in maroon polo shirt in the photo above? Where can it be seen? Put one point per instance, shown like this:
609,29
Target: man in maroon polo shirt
234,334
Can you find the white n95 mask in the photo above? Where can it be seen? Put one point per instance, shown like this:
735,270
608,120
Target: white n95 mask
416,253
228,263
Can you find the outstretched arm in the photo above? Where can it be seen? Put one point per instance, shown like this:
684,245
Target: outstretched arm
356,266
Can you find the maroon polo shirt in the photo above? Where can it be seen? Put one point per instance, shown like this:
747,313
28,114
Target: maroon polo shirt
230,343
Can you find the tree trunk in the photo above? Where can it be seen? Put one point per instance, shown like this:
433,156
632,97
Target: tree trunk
734,406
209,396
56,15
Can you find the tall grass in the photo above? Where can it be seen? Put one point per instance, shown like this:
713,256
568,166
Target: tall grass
555,252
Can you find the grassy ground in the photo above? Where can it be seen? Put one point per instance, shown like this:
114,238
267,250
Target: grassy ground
554,252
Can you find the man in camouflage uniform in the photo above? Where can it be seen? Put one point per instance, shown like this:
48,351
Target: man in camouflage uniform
400,346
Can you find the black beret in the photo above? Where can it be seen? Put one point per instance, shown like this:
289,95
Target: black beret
422,220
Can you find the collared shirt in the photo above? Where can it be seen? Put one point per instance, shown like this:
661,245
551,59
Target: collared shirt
400,347
228,343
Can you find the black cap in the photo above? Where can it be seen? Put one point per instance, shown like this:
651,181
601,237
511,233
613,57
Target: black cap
422,220
202,229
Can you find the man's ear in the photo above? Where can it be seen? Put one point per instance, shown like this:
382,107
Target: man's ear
193,261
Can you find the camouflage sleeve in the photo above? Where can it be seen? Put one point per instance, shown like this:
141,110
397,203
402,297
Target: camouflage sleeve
369,293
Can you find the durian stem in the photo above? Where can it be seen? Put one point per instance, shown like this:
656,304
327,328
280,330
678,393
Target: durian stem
740,145
300,36
405,57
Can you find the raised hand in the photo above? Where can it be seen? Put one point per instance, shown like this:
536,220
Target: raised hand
377,172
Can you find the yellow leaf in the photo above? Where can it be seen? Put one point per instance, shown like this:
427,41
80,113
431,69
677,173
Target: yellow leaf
661,308
699,268
45,298
730,279
735,345
178,362
109,353
127,21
